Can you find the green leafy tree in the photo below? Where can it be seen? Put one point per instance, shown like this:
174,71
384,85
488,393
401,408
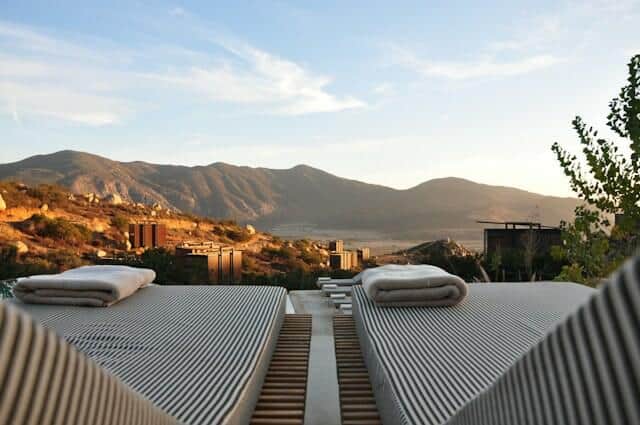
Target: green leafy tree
610,181
585,248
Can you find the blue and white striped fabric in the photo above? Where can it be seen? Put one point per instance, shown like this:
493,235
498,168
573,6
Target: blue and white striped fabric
427,363
200,353
587,371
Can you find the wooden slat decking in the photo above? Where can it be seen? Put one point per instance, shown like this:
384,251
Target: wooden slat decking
282,400
357,403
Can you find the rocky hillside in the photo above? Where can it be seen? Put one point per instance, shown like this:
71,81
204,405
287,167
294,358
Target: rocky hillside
444,253
300,195
53,228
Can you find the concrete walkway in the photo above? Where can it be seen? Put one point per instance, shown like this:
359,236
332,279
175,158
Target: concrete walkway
323,402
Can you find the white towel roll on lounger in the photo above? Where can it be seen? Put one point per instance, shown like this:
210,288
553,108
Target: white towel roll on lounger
94,286
413,285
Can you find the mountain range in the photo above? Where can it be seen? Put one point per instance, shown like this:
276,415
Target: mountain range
301,195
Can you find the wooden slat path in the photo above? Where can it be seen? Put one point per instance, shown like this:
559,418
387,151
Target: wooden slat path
282,400
357,403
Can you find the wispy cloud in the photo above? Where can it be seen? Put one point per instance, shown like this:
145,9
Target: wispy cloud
461,70
64,104
177,11
41,75
44,75
384,89
534,45
539,35
252,75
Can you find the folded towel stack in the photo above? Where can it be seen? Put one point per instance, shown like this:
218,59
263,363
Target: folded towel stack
413,285
94,286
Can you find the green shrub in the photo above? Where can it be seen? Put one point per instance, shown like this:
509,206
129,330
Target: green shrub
311,257
162,261
14,265
54,196
283,253
59,228
120,222
238,234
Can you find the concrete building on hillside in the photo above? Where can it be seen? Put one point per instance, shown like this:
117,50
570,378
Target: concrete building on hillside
209,263
341,260
336,246
147,235
363,254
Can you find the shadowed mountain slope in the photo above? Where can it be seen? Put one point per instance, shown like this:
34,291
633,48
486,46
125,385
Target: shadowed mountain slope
301,194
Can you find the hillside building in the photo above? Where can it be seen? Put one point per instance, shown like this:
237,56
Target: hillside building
336,246
519,236
209,263
147,235
341,260
363,255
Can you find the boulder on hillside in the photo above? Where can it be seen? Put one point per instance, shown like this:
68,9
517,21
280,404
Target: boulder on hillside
3,205
91,198
21,247
44,207
157,207
114,199
250,229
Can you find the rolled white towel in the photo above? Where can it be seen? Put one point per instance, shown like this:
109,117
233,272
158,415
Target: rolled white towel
94,286
413,285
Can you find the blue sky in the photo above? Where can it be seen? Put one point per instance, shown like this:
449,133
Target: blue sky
393,93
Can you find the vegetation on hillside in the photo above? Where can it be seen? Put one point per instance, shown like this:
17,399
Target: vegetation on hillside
608,180
47,229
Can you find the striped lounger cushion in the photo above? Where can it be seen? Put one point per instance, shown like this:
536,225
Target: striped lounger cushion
44,380
200,353
426,363
587,371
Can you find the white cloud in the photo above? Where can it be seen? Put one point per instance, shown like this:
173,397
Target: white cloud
63,104
46,76
460,70
178,11
384,89
540,34
22,38
256,76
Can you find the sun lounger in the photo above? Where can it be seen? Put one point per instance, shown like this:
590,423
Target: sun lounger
425,363
339,282
44,380
329,289
341,301
198,353
346,308
586,371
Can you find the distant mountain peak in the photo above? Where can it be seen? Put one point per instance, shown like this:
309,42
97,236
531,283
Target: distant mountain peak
301,194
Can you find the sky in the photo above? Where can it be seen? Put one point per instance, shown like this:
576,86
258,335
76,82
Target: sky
393,93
